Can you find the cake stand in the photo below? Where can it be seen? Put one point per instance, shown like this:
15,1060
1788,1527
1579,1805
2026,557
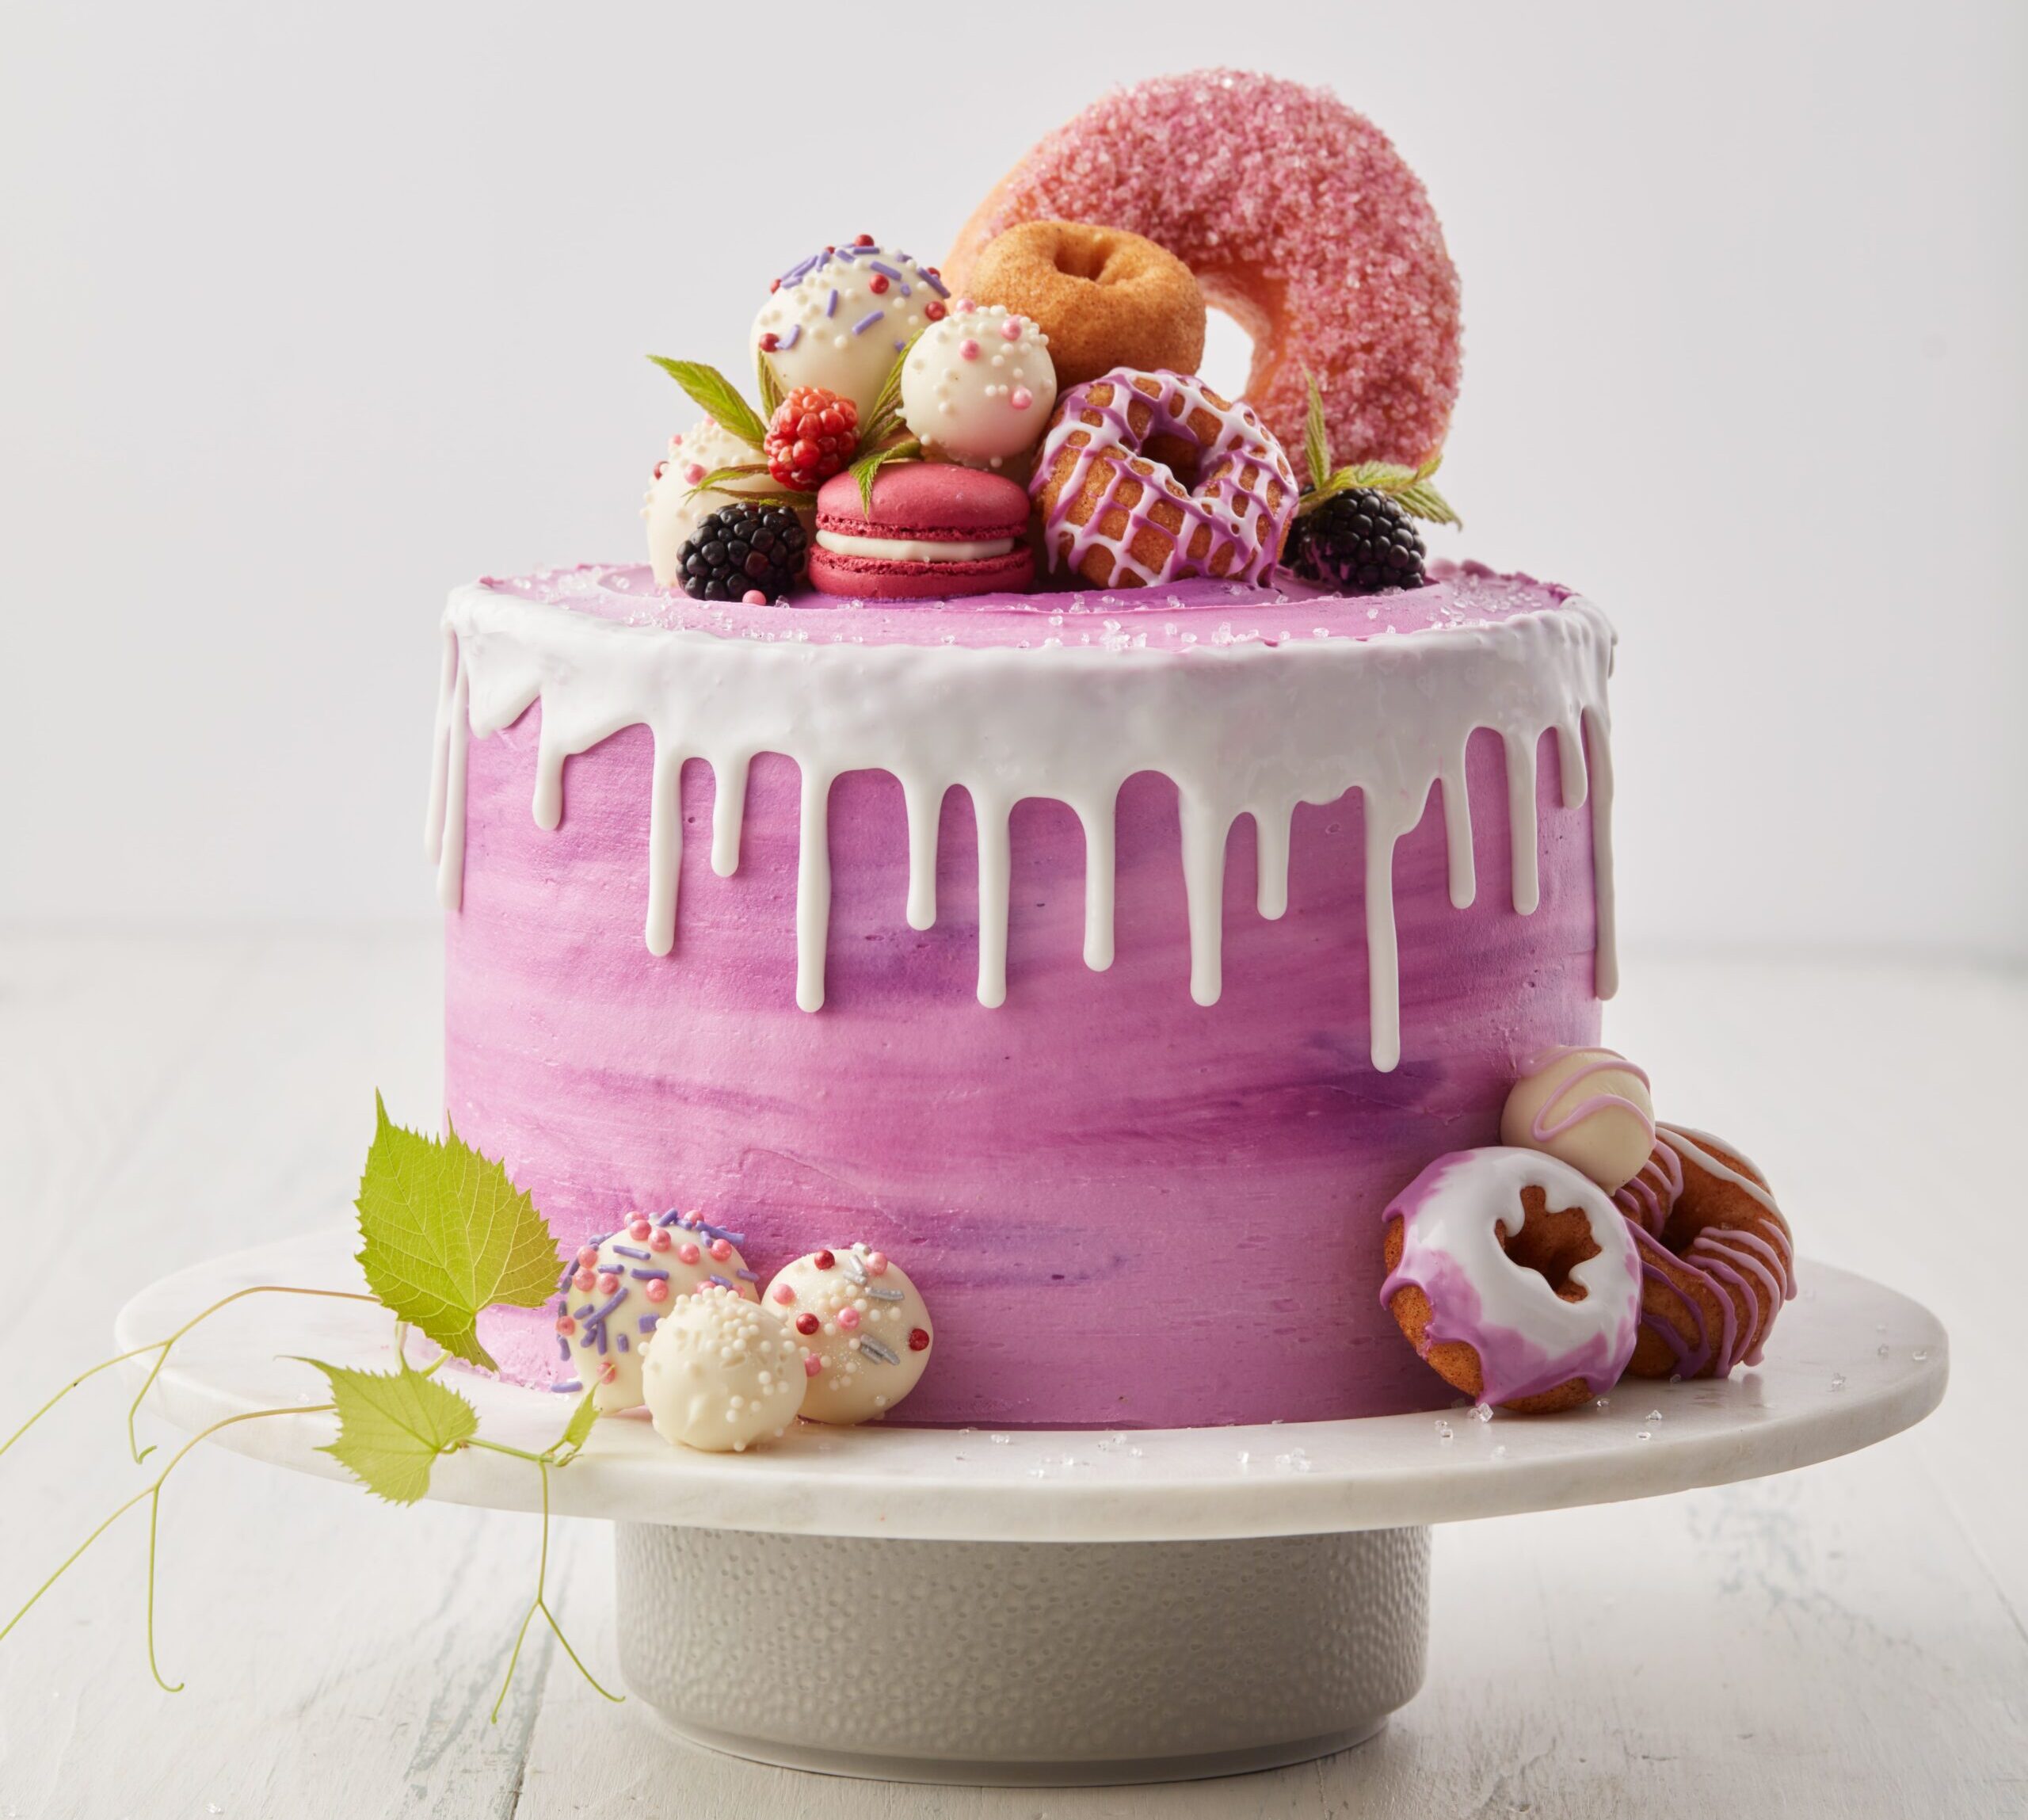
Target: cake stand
1047,1608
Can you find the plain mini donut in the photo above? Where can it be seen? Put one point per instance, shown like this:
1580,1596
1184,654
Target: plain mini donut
1105,298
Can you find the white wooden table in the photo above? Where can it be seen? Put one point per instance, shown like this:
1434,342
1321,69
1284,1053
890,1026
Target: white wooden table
1850,1640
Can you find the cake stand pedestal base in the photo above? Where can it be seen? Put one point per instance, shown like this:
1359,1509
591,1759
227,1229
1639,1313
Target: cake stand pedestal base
1038,1607
1023,1663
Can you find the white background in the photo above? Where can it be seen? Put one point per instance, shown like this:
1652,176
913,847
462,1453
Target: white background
311,313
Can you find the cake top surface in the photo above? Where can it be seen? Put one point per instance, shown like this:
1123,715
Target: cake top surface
1183,616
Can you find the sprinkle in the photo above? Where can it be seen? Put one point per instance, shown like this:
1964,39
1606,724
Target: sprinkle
783,1294
563,1348
669,1218
609,1282
824,1261
720,1249
637,1228
569,1388
888,272
856,1270
565,1324
650,1276
587,1256
874,1349
791,339
812,1365
628,1251
876,1261
848,1319
880,1295
620,1340
754,597
934,279
918,1339
584,1313
1020,397
770,341
746,1277
900,344
867,321
878,285
807,1323
660,1241
723,1284
689,1253
968,350
1010,329
657,1292
649,1322
831,303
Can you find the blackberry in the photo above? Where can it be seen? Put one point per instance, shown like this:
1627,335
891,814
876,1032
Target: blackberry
1357,542
742,547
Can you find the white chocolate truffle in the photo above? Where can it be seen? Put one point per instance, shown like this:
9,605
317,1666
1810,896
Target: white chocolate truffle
618,1288
863,1327
1586,1106
979,386
674,510
840,319
722,1373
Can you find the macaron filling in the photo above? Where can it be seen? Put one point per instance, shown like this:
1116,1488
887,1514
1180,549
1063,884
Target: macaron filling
912,549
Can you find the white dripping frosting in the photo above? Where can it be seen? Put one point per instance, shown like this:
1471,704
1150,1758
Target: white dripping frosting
1248,728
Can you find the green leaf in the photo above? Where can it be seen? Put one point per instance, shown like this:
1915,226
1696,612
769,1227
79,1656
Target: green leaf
1420,500
718,476
863,470
770,386
883,416
1316,439
578,1430
446,1234
713,394
394,1426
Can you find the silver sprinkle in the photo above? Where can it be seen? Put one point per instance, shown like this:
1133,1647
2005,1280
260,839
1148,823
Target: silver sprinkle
883,1295
874,1349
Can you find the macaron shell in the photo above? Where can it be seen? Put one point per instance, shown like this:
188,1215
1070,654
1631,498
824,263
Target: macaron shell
926,501
878,578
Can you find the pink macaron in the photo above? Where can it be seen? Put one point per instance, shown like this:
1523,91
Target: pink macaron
934,530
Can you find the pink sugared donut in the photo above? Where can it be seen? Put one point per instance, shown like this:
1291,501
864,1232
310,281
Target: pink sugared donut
1301,222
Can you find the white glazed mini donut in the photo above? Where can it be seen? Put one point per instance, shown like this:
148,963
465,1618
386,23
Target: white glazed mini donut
674,508
722,1373
839,319
619,1287
1513,1277
865,1330
979,386
1585,1106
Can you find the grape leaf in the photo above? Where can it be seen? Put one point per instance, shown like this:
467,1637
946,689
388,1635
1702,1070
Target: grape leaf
578,1430
714,394
446,1234
394,1426
1316,439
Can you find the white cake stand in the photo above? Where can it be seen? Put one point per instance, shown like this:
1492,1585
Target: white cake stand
1066,1607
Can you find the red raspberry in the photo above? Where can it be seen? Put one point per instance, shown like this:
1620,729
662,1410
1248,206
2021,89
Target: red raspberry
813,437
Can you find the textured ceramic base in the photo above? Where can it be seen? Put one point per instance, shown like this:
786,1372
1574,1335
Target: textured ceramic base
1024,1663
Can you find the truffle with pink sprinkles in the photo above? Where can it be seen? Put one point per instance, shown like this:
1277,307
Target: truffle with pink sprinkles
1341,270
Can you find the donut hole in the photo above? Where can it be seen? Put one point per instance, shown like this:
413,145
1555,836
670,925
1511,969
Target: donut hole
1551,1241
1182,457
1227,364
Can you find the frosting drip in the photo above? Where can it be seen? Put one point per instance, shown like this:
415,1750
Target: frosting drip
1251,728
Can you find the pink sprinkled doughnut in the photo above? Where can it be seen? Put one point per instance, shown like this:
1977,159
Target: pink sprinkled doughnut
1341,270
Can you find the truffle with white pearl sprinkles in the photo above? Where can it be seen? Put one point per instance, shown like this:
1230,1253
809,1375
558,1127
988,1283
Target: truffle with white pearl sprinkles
864,1329
978,386
620,1288
676,506
1585,1106
722,1374
838,318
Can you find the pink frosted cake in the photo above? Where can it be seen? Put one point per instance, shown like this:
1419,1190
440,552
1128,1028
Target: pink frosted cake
1115,955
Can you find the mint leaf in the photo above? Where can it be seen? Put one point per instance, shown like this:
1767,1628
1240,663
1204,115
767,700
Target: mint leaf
718,476
1410,486
770,386
883,416
863,470
713,394
394,1426
1420,500
446,1234
1316,439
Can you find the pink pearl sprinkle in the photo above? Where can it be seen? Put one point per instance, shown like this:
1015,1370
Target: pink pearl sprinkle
588,1257
1010,331
783,1294
584,1280
658,1290
812,1365
1020,397
689,1253
848,1319
754,597
609,1282
968,350
964,306
695,472
721,1249
876,1261
659,1240
638,1230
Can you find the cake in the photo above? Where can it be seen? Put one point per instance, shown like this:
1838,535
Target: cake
1112,953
